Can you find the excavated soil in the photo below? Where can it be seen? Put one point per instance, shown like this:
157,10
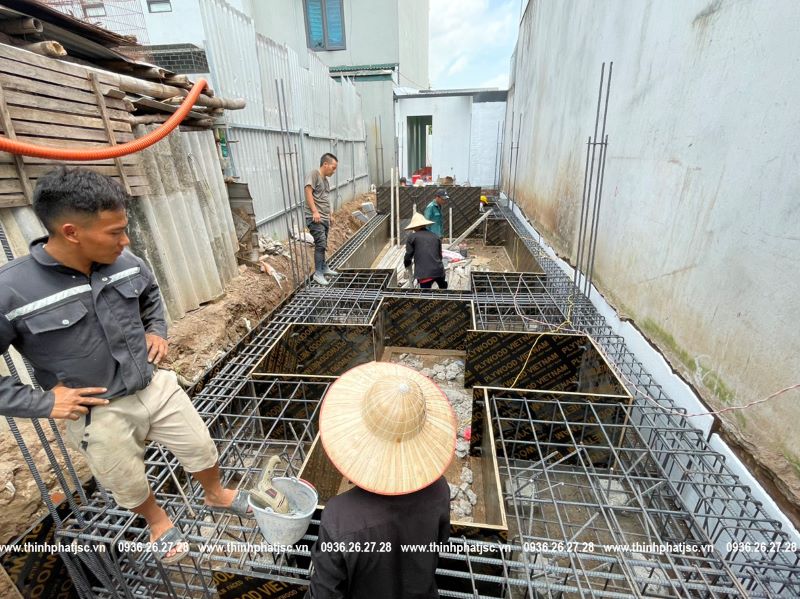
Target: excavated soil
196,341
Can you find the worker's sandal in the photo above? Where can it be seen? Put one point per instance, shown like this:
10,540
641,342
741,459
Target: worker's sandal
169,540
240,505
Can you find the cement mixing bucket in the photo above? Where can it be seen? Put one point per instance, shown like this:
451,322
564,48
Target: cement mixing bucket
287,529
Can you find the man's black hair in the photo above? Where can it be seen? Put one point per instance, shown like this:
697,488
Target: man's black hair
327,157
75,191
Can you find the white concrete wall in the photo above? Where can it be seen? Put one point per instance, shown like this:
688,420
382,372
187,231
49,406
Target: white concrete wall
450,143
483,146
413,30
181,26
284,22
699,237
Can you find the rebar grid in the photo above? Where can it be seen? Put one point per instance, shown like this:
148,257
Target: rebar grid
265,418
515,302
351,246
351,298
579,478
643,474
725,509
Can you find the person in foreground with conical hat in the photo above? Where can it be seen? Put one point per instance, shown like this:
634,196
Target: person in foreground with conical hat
424,248
392,432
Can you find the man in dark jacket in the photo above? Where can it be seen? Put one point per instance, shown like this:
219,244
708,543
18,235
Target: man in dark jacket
391,431
88,316
424,248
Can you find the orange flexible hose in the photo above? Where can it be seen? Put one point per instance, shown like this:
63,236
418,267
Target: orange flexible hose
87,154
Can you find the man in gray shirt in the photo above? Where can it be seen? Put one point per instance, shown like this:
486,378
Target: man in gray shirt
87,314
318,213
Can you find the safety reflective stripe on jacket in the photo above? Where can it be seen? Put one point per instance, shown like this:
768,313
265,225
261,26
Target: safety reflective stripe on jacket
82,331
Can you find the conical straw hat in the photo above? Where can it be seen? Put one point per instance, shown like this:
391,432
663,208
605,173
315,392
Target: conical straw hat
417,220
387,428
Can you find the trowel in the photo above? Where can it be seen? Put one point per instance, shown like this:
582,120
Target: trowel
265,495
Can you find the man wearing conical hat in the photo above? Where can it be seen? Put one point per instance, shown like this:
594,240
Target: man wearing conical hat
392,432
424,248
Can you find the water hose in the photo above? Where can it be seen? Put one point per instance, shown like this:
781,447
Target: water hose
88,154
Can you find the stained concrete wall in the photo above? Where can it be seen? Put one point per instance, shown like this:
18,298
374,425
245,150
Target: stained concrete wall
698,237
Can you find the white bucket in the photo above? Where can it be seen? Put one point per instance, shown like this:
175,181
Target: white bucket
287,529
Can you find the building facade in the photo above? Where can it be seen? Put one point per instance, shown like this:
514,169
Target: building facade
455,132
378,44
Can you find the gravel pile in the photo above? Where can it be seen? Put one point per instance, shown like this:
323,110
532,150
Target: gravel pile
448,369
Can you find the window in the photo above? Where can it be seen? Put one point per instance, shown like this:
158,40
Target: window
159,5
94,9
325,24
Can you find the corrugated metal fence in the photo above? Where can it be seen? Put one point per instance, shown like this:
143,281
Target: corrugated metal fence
180,210
323,115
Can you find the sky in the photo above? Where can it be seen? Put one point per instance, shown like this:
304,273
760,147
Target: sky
471,42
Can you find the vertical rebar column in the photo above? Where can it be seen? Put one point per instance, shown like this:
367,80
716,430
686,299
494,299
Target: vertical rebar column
380,141
297,219
287,204
497,157
593,144
584,201
601,177
391,209
516,162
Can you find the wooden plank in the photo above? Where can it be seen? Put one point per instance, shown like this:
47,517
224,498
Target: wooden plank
492,489
53,91
101,104
62,143
62,132
20,69
131,159
13,200
126,83
9,171
11,186
20,114
51,64
8,128
140,191
162,107
14,186
25,101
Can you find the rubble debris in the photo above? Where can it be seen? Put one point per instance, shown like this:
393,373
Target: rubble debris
270,246
360,216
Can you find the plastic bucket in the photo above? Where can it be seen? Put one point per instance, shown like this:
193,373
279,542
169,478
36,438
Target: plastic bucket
287,529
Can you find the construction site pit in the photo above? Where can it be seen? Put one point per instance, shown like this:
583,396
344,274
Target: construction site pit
559,461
